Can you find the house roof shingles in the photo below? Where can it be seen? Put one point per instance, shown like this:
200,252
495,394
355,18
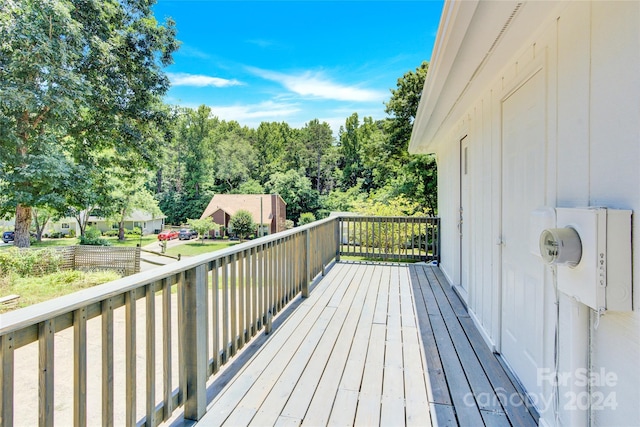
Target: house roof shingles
231,203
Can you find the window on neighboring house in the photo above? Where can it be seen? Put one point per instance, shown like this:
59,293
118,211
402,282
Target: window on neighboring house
115,226
64,225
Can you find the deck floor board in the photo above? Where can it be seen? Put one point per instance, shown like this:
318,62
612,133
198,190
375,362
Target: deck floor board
374,344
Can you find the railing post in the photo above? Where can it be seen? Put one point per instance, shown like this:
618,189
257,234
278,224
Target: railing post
338,238
307,264
195,339
6,380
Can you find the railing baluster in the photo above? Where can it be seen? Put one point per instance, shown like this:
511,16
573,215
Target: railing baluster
233,290
182,380
255,290
6,380
80,367
225,309
167,369
241,315
130,359
150,357
45,387
107,362
247,294
215,317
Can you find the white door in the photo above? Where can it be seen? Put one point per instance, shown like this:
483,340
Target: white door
464,217
523,169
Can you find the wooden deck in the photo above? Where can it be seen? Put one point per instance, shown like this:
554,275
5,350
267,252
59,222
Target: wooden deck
374,344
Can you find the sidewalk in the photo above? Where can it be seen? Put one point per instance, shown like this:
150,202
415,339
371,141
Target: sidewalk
150,261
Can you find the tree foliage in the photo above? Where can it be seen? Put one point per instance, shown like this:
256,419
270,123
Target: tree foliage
242,224
76,77
202,226
83,130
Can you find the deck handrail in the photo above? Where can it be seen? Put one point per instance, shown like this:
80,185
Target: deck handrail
254,281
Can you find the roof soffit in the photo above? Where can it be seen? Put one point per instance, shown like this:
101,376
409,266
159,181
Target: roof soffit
488,34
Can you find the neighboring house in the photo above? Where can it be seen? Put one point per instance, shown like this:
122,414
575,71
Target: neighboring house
7,224
529,105
147,222
64,226
266,209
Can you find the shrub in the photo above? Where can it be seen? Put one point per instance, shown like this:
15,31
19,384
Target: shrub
30,262
137,231
306,218
110,233
242,223
93,236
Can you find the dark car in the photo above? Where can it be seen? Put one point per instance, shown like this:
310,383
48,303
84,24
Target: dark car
8,236
187,234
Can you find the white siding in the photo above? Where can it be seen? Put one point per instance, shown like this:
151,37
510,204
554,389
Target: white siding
590,55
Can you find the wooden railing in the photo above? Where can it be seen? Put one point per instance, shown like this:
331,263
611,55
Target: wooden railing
390,238
148,343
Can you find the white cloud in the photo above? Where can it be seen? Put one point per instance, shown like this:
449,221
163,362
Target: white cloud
198,80
317,85
247,115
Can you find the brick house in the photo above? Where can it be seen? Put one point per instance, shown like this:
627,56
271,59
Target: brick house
266,209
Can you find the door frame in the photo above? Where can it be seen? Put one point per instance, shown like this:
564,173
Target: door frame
464,218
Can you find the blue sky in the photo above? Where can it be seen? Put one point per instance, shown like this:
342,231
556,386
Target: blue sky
295,61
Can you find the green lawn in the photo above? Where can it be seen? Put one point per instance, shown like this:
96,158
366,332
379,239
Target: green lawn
196,247
33,290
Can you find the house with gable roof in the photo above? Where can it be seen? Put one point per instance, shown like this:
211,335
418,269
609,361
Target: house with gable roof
269,210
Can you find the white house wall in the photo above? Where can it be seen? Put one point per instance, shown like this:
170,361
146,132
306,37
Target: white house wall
589,55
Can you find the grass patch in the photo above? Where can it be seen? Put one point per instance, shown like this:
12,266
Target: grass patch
132,241
33,290
194,248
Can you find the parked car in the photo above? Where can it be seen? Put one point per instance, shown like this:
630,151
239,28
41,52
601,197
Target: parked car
188,234
168,235
8,236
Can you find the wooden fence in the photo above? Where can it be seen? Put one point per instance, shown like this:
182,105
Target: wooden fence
125,260
212,305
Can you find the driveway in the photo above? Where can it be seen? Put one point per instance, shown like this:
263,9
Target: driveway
149,261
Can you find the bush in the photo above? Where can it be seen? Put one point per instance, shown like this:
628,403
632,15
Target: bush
306,218
29,262
93,237
137,231
242,223
72,233
110,233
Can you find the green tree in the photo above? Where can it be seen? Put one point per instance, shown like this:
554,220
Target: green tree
75,76
318,141
242,223
41,217
306,218
249,187
295,189
350,147
202,226
416,175
235,160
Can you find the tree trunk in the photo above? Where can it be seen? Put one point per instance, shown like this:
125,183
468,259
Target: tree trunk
121,226
23,222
